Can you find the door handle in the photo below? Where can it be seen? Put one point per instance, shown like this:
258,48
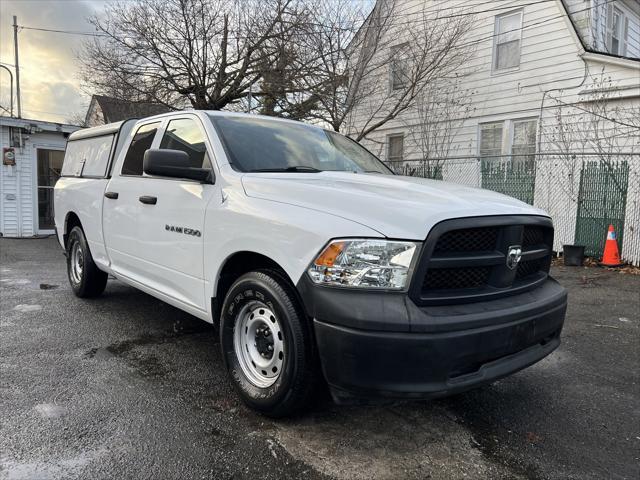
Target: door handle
111,195
148,199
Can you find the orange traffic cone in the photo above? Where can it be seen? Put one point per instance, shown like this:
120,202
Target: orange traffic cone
611,255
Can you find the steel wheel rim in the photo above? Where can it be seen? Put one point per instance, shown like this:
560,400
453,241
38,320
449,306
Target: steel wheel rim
77,262
258,342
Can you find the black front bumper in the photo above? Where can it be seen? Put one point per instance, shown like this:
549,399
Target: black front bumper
381,345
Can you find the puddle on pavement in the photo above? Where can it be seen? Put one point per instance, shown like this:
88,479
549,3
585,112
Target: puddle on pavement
48,286
50,410
25,308
44,470
177,331
143,361
12,282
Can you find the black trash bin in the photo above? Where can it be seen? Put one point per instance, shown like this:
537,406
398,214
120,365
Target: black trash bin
573,255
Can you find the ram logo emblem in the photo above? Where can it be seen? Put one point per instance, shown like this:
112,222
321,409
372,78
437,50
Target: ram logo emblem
514,255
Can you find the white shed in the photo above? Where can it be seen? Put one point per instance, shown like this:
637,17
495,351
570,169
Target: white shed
32,153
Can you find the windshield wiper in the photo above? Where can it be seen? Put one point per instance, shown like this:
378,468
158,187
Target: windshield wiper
296,168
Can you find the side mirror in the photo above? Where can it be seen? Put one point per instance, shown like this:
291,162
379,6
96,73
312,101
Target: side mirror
174,164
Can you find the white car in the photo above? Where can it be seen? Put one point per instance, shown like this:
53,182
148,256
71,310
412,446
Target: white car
317,262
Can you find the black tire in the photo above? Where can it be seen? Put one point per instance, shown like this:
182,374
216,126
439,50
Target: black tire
294,388
91,281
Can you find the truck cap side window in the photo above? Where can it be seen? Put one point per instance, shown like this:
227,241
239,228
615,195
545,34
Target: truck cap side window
141,142
87,157
185,135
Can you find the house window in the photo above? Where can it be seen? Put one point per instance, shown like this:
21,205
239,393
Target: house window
490,139
395,147
523,141
617,31
506,47
15,137
399,67
523,137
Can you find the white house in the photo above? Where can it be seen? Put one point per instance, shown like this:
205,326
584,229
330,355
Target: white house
103,110
546,108
32,153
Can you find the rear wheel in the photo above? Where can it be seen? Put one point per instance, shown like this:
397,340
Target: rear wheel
267,344
86,279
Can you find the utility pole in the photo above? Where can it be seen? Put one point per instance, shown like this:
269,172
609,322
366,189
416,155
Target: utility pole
17,63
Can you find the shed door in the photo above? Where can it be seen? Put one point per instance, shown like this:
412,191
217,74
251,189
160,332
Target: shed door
49,166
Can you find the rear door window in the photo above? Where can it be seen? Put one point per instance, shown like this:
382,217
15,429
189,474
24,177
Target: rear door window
87,157
184,134
142,141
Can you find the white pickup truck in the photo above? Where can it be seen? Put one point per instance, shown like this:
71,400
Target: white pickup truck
315,260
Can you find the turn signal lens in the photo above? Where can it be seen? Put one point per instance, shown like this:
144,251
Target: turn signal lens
364,263
328,256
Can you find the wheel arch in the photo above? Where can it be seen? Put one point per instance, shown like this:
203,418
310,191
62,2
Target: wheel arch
71,220
236,265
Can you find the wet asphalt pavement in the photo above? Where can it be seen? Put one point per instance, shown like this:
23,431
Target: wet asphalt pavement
126,386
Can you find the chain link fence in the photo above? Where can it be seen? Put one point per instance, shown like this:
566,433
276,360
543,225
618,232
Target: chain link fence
583,192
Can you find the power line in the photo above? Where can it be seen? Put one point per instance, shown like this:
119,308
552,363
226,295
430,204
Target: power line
69,32
475,41
444,17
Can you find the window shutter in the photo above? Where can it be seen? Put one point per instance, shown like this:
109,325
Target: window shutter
625,36
609,28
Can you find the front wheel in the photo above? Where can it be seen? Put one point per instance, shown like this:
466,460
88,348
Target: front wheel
84,276
267,344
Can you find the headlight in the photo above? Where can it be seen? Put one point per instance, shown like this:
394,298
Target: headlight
364,263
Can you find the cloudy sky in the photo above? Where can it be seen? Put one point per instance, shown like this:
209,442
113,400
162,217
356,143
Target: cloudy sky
49,74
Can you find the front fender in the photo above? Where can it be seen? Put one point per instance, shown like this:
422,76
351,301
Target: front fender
289,235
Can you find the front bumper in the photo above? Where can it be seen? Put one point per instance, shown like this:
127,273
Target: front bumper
381,345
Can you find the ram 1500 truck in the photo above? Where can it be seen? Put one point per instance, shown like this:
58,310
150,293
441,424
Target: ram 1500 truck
315,260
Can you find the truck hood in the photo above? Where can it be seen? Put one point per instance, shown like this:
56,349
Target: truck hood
393,205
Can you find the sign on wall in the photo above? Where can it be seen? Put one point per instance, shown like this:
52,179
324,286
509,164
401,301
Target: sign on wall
8,156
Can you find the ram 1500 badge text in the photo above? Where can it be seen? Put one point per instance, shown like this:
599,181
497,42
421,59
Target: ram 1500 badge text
317,262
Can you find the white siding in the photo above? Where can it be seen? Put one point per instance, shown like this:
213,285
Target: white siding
583,15
18,184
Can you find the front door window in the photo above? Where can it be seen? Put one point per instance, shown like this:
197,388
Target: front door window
49,166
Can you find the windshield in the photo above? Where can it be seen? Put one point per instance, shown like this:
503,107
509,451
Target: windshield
255,144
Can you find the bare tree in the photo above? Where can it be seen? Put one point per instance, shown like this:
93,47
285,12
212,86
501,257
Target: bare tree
322,60
325,54
351,72
440,111
601,122
202,53
398,57
280,91
78,119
